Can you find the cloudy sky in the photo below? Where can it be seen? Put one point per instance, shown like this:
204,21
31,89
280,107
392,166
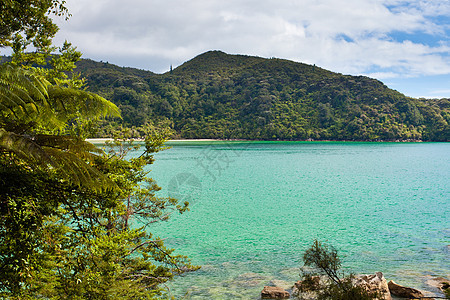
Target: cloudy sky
404,43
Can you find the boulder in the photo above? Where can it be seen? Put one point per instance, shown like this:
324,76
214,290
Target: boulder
404,292
374,283
274,292
439,284
310,284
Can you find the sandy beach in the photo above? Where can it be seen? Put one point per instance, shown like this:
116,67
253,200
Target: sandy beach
103,140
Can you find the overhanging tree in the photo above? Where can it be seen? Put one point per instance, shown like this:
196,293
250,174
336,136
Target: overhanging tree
74,220
325,261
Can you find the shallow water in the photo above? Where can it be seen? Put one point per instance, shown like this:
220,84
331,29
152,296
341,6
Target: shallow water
256,206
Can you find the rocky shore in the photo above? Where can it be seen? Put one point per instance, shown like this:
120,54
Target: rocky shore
371,283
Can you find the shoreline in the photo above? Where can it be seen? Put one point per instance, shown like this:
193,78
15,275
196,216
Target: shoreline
103,140
235,267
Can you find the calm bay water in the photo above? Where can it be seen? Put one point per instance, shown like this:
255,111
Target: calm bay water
256,206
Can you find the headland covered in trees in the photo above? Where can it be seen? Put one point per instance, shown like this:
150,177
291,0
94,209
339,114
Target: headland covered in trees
220,96
67,207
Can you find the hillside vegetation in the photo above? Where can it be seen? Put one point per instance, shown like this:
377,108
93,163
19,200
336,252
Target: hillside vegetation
216,95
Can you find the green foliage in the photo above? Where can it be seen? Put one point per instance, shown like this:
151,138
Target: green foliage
216,95
75,220
62,239
22,93
44,114
33,114
325,262
25,23
346,291
324,258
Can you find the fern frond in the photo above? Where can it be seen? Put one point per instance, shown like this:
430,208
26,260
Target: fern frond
78,172
24,147
29,101
24,82
91,106
63,154
22,93
68,143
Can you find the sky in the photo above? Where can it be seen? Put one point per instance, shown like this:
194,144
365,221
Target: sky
403,43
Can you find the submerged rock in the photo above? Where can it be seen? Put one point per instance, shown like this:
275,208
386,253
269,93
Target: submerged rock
248,279
374,283
438,283
404,292
274,292
281,284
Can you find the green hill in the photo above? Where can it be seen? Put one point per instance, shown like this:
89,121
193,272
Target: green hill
216,95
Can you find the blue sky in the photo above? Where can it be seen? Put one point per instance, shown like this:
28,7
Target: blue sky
403,43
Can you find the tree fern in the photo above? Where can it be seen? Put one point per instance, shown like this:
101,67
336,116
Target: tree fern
30,107
21,93
68,101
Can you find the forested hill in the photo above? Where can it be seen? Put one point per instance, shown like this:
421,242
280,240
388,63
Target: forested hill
216,95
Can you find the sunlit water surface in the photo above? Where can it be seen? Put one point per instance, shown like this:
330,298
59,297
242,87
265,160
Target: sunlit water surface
256,206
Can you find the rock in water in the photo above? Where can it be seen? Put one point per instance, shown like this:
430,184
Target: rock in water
439,283
307,289
280,283
375,283
310,284
404,292
273,292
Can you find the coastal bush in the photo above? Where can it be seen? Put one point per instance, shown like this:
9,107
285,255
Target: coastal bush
75,219
216,95
334,284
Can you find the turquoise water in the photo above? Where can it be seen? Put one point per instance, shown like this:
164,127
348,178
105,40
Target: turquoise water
256,206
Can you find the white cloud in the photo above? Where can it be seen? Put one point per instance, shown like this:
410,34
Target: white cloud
424,7
441,92
354,37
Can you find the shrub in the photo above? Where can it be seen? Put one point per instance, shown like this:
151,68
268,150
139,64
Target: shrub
326,263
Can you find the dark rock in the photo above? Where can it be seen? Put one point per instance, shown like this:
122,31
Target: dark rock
273,292
404,292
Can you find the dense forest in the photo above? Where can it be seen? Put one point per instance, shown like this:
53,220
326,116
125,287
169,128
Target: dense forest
222,96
